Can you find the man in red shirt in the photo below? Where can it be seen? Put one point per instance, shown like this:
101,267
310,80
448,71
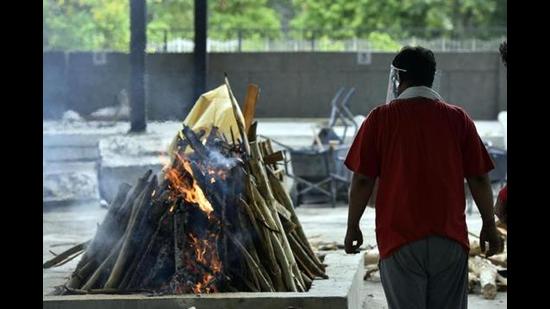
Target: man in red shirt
420,149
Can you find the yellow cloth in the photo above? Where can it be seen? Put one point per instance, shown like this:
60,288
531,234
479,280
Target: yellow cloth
213,108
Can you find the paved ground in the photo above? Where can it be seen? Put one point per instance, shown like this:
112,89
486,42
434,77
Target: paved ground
66,226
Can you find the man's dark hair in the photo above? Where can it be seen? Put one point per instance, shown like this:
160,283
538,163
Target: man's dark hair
503,49
419,63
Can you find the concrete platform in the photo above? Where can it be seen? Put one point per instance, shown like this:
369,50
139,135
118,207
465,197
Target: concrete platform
340,291
69,182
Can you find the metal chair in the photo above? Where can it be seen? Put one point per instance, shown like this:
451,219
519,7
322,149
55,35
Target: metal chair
315,170
340,112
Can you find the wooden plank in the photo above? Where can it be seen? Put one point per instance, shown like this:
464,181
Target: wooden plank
250,100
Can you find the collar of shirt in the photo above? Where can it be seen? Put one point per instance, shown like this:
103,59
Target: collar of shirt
420,91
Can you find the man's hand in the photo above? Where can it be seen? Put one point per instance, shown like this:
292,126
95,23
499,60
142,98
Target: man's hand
489,234
354,240
359,194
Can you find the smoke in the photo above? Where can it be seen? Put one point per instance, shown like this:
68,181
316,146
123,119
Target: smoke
218,160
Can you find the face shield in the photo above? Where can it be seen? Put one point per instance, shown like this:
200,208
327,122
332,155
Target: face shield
393,83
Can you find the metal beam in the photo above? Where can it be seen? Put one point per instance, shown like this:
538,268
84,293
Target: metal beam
199,59
138,40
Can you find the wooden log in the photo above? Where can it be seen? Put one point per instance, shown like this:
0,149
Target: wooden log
274,158
307,281
487,280
270,260
304,268
487,276
104,291
107,232
242,227
247,283
236,113
286,268
252,131
195,143
103,267
179,240
473,281
254,267
126,250
65,254
285,257
250,101
80,276
282,211
145,227
284,199
502,283
500,259
299,285
277,172
372,256
159,264
72,257
370,271
142,264
270,214
150,256
304,258
249,244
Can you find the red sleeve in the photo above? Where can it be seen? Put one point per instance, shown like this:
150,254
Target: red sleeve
363,157
475,158
503,195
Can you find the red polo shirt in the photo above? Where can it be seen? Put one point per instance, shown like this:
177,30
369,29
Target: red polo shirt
421,150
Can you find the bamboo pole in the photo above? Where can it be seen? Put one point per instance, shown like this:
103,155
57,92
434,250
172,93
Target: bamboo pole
262,280
125,251
285,200
65,254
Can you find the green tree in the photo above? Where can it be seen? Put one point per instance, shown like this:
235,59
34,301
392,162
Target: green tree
342,19
175,17
227,16
104,24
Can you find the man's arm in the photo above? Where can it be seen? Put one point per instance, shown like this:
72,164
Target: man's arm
480,186
359,194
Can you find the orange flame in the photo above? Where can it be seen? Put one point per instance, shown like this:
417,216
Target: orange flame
188,187
206,254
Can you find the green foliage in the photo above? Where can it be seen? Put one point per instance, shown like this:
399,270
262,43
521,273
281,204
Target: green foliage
86,24
229,16
383,41
104,24
400,18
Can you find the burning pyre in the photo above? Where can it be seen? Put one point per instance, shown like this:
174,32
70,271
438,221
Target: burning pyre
218,221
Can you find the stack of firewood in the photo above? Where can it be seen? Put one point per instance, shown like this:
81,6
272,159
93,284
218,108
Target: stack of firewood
483,276
216,219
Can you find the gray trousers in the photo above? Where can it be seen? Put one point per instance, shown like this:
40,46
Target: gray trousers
431,273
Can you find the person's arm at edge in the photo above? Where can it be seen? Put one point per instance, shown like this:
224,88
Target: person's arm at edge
359,195
480,186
